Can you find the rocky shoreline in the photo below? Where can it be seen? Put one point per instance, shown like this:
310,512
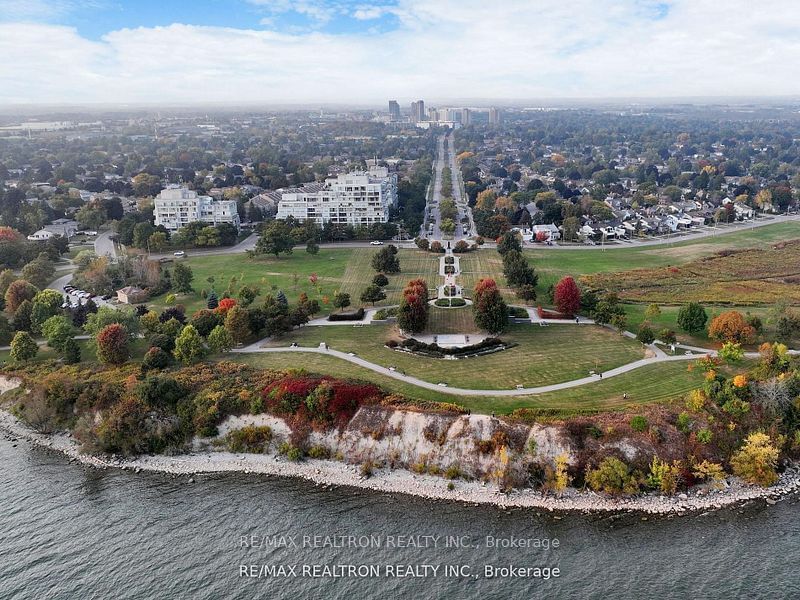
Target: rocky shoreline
326,472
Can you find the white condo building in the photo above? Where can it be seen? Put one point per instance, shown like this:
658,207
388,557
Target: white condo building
358,198
178,206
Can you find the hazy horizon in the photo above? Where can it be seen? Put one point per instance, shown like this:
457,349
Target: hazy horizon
279,52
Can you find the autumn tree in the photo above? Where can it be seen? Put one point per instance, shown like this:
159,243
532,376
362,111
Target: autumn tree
19,291
756,461
567,296
412,315
112,344
731,326
237,322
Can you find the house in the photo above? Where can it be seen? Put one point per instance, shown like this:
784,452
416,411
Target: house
548,232
131,295
40,236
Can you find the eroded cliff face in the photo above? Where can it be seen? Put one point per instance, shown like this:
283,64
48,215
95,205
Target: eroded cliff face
431,442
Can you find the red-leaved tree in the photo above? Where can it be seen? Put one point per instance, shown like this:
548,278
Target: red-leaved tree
567,296
112,344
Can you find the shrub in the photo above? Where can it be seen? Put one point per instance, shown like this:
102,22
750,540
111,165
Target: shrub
453,472
664,476
638,423
250,438
318,452
380,280
684,422
756,461
294,454
645,334
710,472
366,468
349,316
613,476
704,436
156,358
23,347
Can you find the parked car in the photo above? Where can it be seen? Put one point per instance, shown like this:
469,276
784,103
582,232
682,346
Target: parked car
90,232
179,253
376,243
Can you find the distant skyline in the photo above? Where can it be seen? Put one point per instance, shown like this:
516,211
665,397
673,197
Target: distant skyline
247,52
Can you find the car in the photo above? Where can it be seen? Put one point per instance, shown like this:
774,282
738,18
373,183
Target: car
376,243
85,295
107,297
179,253
90,232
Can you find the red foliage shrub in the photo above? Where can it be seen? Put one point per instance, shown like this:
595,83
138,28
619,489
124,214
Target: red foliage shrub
225,305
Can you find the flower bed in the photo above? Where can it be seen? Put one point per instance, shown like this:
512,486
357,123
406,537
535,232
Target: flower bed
450,302
550,314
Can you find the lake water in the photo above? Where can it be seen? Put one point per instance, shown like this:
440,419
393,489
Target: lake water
68,531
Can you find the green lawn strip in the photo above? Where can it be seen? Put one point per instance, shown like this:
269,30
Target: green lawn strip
669,319
269,274
554,264
662,382
544,355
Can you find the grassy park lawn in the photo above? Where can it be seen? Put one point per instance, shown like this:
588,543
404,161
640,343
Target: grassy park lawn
288,273
418,263
543,355
662,382
554,264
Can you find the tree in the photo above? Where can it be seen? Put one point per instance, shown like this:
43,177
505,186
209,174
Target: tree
276,238
731,352
652,311
436,246
386,261
182,277
489,308
422,243
570,226
567,296
731,326
22,317
57,330
90,217
189,347
312,247
509,241
247,295
213,301
756,461
23,347
517,270
71,352
5,331
667,336
220,339
46,304
692,317
7,277
341,300
646,335
613,477
206,320
17,292
237,322
107,315
39,271
380,280
155,358
112,344
373,294
412,314
526,293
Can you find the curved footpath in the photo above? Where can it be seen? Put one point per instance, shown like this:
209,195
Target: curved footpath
660,357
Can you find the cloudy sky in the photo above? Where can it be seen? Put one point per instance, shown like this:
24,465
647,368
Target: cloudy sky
329,51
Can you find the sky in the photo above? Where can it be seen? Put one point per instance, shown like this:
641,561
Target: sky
245,52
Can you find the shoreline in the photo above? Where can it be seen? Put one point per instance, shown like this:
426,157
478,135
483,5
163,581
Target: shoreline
400,481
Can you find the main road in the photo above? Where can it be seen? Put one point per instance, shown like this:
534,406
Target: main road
445,156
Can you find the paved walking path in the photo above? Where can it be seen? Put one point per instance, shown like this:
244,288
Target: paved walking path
524,391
